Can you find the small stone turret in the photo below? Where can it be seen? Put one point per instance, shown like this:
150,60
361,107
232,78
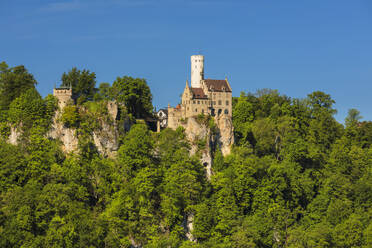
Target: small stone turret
63,94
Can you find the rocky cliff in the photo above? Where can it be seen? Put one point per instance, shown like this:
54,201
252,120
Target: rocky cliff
104,135
67,136
205,136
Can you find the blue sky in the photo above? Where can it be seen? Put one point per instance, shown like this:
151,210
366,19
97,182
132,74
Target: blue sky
294,46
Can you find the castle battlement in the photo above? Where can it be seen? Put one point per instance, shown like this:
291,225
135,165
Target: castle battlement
64,95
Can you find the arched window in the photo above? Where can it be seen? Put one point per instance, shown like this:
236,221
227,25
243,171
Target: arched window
202,111
226,112
219,111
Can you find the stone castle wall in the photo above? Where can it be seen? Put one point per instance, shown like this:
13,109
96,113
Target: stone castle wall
63,96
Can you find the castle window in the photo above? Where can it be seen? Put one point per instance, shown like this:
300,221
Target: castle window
198,102
227,103
202,111
193,102
214,102
219,111
226,112
219,102
196,110
187,108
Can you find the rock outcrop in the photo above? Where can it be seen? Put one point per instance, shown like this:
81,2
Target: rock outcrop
198,133
106,139
14,135
225,133
67,136
205,141
189,226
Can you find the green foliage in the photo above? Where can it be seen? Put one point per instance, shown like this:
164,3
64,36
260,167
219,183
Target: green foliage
14,82
4,130
30,113
103,92
82,83
353,116
294,178
70,116
135,94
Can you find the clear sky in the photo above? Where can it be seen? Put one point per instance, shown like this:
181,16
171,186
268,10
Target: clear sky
294,46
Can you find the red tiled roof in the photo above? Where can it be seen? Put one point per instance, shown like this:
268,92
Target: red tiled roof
217,85
198,93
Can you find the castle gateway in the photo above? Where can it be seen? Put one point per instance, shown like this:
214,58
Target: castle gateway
204,96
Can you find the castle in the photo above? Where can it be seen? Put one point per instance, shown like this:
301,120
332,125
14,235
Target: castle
205,96
63,94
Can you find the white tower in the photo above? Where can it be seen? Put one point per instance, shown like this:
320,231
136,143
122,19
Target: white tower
197,70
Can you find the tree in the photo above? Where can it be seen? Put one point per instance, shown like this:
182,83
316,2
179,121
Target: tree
353,116
319,100
103,92
13,82
136,152
82,83
135,94
28,110
70,116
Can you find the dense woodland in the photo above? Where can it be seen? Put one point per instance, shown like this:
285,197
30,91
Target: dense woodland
295,177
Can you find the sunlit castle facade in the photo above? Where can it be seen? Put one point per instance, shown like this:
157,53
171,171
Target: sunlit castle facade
63,94
204,96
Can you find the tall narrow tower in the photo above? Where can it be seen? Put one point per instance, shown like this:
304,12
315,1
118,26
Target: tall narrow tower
197,70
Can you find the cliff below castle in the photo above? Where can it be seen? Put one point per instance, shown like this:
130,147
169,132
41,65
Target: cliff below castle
207,134
96,124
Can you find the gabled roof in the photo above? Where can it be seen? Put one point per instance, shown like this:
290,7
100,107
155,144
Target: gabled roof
198,93
217,85
163,110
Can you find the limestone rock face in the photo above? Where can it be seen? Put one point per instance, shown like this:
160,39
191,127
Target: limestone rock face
112,108
194,132
67,136
226,133
223,139
106,139
189,226
14,135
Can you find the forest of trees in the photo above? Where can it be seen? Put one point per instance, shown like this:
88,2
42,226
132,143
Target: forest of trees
295,177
